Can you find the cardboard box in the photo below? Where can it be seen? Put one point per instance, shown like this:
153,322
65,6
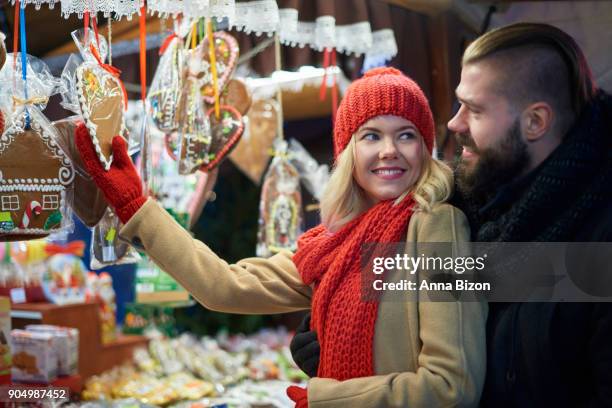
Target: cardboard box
34,357
66,343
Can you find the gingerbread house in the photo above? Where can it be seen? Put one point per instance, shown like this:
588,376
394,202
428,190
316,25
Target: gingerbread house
34,176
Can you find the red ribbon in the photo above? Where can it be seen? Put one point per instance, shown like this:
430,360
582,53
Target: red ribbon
142,27
73,248
111,70
16,34
166,43
323,89
86,26
334,88
94,21
329,59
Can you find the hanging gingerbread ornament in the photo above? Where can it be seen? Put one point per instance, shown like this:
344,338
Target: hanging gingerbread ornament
102,97
167,84
89,204
194,126
280,207
35,178
225,134
237,95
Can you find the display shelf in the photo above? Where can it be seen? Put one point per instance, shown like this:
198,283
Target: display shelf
94,357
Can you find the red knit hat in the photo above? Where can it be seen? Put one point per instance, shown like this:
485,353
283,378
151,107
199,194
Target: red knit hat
382,91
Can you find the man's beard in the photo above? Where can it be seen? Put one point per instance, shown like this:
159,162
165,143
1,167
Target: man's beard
493,167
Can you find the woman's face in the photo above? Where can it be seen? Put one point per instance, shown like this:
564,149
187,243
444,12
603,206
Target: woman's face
388,157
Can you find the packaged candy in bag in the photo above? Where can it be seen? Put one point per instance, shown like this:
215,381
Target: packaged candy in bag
101,95
163,96
280,207
36,176
106,247
314,176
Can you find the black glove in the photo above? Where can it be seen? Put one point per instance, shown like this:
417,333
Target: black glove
305,348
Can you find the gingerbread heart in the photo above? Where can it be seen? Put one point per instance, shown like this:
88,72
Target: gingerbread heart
101,100
226,132
252,154
89,204
237,94
226,54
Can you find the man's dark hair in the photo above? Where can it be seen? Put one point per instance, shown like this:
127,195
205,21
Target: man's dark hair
537,62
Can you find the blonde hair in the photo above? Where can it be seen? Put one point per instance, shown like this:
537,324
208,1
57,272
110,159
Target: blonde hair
343,199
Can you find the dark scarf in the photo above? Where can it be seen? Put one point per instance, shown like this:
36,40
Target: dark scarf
572,183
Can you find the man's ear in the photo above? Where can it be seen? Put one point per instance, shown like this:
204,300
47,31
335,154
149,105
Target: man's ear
536,121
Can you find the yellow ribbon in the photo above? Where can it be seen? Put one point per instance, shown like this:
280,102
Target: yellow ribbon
278,153
194,40
213,66
30,101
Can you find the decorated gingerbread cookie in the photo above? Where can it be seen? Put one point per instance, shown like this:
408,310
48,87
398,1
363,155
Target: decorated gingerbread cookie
280,208
35,174
102,101
226,132
89,203
237,95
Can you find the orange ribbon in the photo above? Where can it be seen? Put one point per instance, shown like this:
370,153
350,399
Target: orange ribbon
111,70
73,248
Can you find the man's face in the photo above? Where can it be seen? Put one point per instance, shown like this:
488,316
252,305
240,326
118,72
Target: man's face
489,130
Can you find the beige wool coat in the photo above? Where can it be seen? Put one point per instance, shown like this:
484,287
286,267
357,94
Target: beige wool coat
426,354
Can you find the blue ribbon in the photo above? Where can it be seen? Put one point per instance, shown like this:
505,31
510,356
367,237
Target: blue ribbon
24,62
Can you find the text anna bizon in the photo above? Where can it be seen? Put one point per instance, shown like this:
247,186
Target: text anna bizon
425,285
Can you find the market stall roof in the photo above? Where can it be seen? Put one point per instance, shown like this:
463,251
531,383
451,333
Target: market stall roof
51,32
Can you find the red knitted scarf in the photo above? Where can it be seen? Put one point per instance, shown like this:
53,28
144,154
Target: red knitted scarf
343,321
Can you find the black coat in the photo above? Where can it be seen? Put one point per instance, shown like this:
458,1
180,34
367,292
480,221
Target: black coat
552,354
555,354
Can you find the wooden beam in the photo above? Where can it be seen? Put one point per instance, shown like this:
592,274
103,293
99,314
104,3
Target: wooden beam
441,87
121,30
429,7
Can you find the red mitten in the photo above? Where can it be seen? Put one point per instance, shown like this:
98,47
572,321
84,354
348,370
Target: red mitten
299,395
121,184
